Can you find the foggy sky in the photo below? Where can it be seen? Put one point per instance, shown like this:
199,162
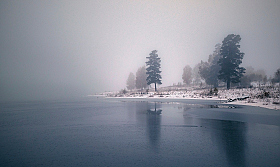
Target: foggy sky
58,49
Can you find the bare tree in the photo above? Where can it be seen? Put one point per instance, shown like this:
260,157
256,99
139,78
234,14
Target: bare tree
130,81
141,77
187,75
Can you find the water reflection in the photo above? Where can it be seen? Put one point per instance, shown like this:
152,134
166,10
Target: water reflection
189,106
230,138
150,113
229,135
153,126
154,111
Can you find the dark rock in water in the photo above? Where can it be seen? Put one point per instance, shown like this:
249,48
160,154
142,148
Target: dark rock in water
242,98
231,107
238,98
154,112
231,100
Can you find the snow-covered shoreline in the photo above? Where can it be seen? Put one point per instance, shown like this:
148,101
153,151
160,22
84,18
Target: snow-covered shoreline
250,97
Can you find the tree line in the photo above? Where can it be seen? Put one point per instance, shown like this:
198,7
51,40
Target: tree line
222,66
146,76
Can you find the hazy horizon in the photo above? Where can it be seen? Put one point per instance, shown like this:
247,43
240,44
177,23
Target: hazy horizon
58,49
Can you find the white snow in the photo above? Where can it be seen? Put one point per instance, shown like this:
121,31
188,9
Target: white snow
251,96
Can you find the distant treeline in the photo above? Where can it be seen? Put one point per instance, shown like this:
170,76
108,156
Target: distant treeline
221,68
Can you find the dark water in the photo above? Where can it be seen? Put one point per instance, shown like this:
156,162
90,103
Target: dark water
109,132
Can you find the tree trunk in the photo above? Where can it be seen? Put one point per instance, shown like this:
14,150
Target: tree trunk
228,84
155,87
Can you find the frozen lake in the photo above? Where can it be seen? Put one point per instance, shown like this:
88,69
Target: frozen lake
120,132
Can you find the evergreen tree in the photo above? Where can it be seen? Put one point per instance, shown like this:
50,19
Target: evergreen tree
231,58
130,81
187,75
141,77
153,66
209,71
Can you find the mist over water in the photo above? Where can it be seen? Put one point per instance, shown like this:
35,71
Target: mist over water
62,49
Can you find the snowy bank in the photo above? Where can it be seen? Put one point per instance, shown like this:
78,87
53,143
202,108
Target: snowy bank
268,98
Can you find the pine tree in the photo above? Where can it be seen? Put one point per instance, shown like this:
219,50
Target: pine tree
231,58
153,66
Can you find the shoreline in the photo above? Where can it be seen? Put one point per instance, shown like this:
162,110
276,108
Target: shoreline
224,101
224,97
258,104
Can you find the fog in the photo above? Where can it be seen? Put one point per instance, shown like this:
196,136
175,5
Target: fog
59,49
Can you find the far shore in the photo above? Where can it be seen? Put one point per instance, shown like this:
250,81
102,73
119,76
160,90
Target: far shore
248,97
